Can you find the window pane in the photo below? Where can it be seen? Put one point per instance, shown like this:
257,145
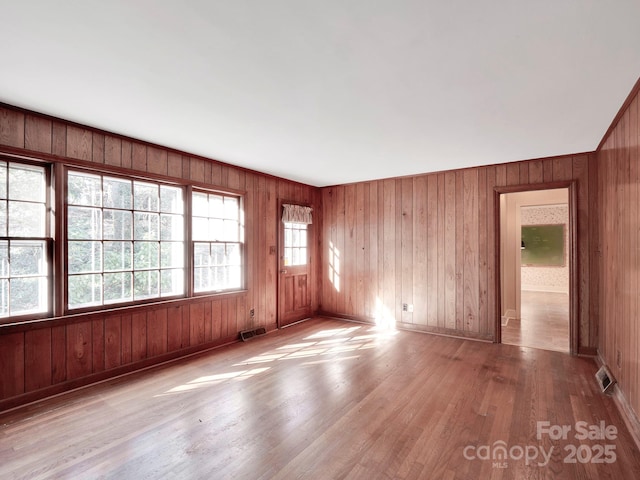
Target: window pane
3,180
27,258
117,256
26,219
201,279
295,238
145,197
171,227
28,295
172,282
146,226
145,255
201,254
216,229
231,208
117,193
171,254
303,256
200,229
235,277
200,204
4,297
117,287
146,284
230,230
84,189
84,223
288,236
4,259
26,182
217,254
85,290
118,225
85,257
171,199
288,256
233,254
3,218
216,206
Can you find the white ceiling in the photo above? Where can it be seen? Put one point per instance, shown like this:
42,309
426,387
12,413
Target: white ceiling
333,91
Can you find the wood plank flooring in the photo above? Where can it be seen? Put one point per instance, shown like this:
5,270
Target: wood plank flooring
326,399
544,323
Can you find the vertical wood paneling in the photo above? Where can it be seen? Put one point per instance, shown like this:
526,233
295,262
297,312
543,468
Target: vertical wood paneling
112,342
11,128
407,256
112,151
360,249
37,359
79,346
97,348
618,167
37,134
98,148
12,361
138,336
471,254
58,354
139,157
59,139
450,251
157,160
416,262
79,143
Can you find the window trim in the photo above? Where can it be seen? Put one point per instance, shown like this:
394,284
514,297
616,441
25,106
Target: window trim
242,241
48,239
103,307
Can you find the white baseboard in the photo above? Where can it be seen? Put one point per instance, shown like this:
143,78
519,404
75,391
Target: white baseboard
545,288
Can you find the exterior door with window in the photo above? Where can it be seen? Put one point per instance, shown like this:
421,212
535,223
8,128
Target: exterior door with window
294,283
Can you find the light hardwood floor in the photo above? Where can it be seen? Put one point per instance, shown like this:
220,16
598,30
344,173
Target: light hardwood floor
544,323
325,399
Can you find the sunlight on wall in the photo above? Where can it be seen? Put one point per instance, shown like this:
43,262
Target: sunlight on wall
334,266
383,316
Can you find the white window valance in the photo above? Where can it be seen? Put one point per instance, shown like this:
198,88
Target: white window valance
296,213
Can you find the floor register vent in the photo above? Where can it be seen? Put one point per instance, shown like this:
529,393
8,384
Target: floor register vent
605,379
249,334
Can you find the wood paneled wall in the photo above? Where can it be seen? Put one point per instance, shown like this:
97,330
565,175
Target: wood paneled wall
619,159
52,356
429,241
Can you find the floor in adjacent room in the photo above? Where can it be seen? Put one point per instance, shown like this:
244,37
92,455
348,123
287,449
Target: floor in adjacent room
328,399
544,323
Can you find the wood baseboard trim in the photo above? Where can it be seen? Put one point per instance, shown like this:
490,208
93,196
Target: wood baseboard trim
29,398
629,416
409,327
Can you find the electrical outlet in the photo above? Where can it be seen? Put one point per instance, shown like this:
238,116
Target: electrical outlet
410,308
252,313
405,307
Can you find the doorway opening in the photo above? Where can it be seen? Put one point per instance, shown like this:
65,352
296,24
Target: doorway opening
536,268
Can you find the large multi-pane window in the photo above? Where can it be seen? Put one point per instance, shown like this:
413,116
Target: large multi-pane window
217,242
24,270
125,240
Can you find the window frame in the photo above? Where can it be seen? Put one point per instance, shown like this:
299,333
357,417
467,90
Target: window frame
240,197
48,239
105,306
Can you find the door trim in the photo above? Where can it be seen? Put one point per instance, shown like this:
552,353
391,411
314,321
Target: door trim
574,319
279,253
